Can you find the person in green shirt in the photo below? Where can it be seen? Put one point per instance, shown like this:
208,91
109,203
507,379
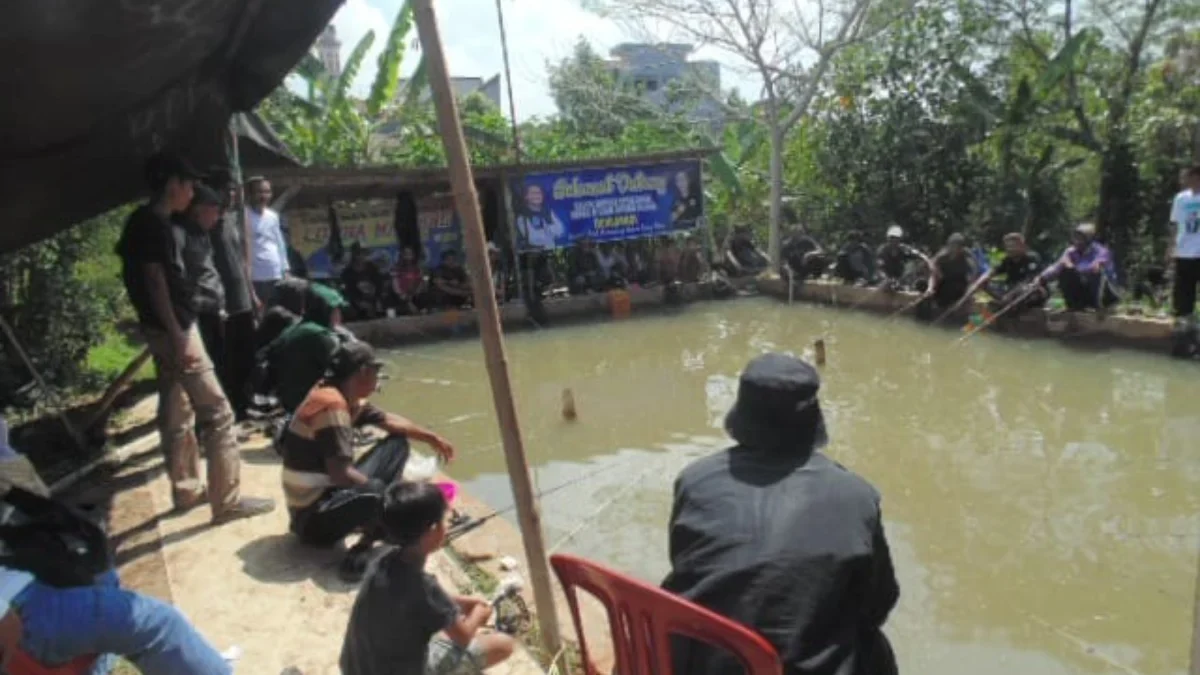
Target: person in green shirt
299,357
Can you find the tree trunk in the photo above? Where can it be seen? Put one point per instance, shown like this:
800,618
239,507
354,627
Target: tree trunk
1119,215
773,240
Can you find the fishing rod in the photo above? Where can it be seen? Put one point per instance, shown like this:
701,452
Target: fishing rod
1004,310
914,303
465,525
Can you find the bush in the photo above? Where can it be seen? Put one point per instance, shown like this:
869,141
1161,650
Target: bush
62,296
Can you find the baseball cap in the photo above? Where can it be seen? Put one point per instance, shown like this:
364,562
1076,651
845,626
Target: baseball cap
351,358
329,295
202,195
895,231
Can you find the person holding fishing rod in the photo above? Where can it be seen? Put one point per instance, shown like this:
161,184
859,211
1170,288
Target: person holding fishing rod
1085,272
403,621
952,272
329,494
1019,267
894,256
775,535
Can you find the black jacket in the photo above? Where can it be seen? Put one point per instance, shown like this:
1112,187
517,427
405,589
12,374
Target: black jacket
792,547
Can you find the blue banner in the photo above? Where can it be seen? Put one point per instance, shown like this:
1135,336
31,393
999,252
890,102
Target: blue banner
440,228
555,210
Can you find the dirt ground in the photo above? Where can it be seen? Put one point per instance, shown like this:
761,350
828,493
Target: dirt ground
247,584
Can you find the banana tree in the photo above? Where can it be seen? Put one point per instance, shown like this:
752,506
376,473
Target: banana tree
326,126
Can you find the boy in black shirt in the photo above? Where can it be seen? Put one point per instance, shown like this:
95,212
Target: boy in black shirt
400,609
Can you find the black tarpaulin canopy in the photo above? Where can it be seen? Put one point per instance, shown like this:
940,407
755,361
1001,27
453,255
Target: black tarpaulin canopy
96,86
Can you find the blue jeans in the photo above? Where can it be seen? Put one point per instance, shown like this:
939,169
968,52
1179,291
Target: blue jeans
62,624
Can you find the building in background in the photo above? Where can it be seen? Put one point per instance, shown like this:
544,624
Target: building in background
328,48
463,87
656,69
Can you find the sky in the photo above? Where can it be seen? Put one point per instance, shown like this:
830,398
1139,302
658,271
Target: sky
538,31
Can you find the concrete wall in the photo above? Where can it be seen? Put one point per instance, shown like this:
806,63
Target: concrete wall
514,316
1137,332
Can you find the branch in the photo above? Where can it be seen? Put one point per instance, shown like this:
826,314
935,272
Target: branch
1085,125
848,33
1133,63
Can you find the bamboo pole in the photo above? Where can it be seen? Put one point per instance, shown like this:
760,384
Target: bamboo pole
118,385
80,441
467,204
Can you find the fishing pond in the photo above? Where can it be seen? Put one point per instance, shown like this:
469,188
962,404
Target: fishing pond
1041,501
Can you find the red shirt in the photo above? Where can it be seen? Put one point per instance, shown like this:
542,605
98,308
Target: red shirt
408,279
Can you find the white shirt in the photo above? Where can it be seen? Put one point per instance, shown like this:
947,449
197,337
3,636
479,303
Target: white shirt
268,257
12,582
540,232
1185,214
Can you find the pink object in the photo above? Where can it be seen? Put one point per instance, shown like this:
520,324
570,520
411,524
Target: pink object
449,489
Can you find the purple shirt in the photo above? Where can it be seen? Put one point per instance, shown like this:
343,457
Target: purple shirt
1095,258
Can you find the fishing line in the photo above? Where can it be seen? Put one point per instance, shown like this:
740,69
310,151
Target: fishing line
583,522
443,359
459,530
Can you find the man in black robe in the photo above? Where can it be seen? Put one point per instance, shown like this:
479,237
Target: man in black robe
775,535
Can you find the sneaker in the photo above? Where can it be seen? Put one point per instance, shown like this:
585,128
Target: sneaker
354,565
246,507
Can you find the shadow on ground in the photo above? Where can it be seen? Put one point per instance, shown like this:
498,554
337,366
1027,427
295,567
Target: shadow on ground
282,559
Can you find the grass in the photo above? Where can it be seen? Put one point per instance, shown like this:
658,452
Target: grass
567,660
109,358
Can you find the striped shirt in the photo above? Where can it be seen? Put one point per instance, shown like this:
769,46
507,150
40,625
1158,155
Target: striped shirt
321,429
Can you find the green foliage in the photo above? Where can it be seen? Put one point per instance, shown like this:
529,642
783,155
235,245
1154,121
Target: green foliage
62,297
965,115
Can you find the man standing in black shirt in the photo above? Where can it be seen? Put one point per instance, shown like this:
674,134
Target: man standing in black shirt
208,295
230,259
189,393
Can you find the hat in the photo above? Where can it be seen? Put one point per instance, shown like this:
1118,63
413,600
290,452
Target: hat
777,407
202,195
329,295
895,231
1086,229
166,165
352,357
957,239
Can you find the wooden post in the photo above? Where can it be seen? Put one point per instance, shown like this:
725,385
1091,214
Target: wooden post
1196,627
467,203
118,385
80,441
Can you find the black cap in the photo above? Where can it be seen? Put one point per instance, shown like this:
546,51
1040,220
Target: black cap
351,358
777,407
166,165
202,195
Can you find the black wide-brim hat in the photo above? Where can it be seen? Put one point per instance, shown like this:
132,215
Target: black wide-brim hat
777,406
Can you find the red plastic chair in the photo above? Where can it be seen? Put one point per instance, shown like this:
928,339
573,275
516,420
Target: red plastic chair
642,618
23,664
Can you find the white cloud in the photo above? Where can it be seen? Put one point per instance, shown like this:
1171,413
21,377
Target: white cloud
538,31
